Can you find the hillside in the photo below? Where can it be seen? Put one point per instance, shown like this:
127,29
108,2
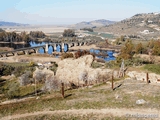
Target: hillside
95,23
3,23
141,25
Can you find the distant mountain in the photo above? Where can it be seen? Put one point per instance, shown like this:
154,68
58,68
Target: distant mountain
3,23
93,24
145,24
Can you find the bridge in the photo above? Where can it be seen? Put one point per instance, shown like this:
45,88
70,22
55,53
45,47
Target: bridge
29,50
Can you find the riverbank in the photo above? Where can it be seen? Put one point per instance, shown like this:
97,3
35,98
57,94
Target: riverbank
15,42
3,49
27,58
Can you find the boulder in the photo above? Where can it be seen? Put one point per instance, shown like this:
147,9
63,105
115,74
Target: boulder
140,102
142,76
79,70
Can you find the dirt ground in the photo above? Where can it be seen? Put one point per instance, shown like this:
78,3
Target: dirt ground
128,113
28,58
45,28
124,95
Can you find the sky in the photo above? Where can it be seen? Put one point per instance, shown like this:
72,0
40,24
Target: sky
72,11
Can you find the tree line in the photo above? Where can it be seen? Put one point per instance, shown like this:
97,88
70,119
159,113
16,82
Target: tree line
69,33
129,49
22,37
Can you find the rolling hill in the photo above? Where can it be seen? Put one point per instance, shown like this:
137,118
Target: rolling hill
3,23
142,25
92,24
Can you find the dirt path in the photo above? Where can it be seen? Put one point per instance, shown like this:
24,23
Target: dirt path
134,113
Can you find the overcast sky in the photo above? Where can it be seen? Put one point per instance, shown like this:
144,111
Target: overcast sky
73,11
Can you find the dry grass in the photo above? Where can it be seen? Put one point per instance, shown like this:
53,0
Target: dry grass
98,97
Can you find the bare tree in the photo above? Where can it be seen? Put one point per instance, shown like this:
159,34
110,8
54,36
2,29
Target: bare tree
83,76
25,79
51,83
40,76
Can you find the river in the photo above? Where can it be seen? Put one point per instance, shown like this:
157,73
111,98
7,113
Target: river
109,54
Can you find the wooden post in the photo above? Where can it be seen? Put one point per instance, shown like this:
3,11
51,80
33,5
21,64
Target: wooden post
35,87
112,83
147,77
62,89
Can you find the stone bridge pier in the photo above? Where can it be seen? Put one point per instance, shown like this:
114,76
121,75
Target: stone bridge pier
45,47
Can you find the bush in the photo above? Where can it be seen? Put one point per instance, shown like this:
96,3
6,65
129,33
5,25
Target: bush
12,90
18,71
83,76
54,67
51,83
32,64
68,33
87,29
66,55
37,34
96,65
40,76
110,64
25,79
81,53
6,69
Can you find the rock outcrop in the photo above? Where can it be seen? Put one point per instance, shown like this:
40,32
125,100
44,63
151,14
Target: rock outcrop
154,78
79,70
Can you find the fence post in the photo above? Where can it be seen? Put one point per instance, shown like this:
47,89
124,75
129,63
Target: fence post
112,83
62,89
147,77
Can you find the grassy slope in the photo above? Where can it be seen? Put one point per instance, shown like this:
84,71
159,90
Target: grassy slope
98,97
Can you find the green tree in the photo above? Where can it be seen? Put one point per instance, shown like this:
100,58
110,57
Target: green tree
151,43
139,48
127,51
69,33
156,48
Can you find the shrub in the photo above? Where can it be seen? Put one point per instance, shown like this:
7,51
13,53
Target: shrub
66,55
87,29
13,90
96,65
37,34
18,71
54,67
81,53
6,69
68,33
51,83
31,64
110,64
83,76
40,76
25,79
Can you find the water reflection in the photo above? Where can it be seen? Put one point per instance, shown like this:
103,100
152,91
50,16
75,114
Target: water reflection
50,50
108,57
109,54
35,44
13,45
